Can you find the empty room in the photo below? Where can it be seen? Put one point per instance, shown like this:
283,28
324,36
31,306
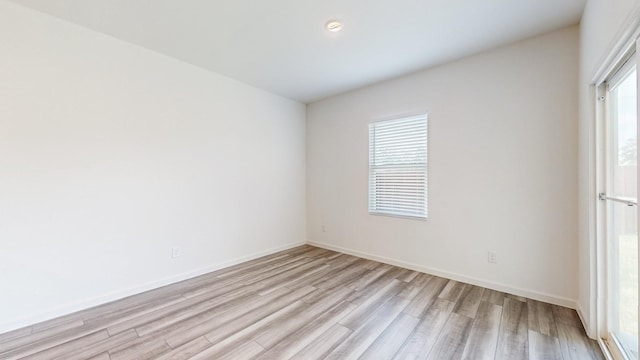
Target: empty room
319,179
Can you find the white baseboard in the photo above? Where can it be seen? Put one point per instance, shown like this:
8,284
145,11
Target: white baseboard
120,294
531,294
585,324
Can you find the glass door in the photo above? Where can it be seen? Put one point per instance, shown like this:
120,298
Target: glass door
621,210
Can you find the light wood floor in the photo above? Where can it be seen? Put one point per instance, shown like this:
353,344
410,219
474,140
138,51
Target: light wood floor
310,303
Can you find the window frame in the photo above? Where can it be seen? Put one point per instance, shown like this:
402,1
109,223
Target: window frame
372,195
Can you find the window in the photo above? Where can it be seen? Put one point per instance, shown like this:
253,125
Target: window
620,120
615,217
398,167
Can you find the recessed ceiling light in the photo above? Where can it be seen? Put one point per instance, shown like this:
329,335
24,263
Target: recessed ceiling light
333,25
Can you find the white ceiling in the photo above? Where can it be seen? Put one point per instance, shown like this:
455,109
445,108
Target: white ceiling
281,45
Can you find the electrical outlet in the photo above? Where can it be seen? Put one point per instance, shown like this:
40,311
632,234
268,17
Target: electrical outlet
492,257
324,229
176,252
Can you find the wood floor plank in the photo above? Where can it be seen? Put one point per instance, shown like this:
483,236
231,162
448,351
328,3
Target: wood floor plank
246,350
469,301
415,286
85,347
298,340
516,297
452,339
142,350
371,265
213,324
310,303
151,299
363,295
320,347
248,266
513,338
343,259
543,347
426,296
99,347
210,286
334,277
261,262
231,338
116,317
316,253
232,274
249,318
358,342
575,345
125,304
277,270
312,278
343,276
187,350
360,315
368,278
493,296
426,333
250,277
333,255
392,339
563,315
292,275
541,318
156,321
401,274
103,356
66,322
49,337
409,276
277,331
303,278
452,290
201,323
483,338
57,343
147,322
52,328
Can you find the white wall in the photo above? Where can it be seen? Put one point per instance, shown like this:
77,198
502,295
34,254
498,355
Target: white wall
111,154
600,29
502,169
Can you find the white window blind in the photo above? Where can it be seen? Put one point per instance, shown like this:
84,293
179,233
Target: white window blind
398,167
